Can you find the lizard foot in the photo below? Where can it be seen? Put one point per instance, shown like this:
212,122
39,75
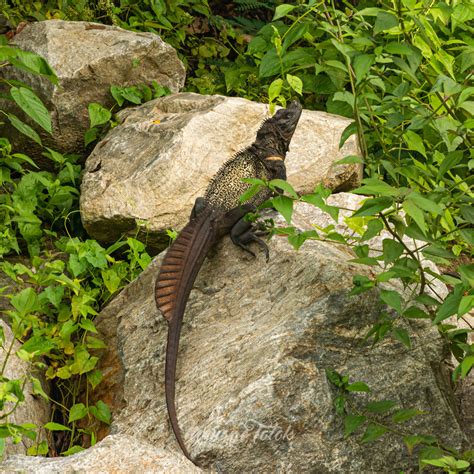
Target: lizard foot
242,240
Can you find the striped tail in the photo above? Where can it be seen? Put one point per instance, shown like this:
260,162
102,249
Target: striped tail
177,274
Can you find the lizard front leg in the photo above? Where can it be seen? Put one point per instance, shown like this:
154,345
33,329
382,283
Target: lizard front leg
242,234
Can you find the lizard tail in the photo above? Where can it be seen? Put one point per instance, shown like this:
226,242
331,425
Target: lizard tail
175,280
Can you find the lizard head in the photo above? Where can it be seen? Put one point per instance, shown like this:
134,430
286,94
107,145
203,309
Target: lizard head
274,136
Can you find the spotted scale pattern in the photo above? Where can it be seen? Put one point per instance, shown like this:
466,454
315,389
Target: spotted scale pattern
226,187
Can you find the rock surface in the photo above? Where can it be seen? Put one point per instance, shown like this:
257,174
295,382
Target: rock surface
115,454
88,58
33,409
308,215
252,394
152,167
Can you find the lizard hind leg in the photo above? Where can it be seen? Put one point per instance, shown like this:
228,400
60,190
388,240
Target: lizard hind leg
242,234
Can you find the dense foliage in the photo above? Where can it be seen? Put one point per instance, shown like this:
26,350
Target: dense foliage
401,69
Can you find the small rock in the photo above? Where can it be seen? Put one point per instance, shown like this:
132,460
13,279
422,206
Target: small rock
115,454
88,58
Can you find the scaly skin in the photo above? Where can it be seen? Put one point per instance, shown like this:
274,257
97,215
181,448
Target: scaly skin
218,213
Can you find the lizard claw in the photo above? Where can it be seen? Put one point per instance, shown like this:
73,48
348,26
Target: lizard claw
248,237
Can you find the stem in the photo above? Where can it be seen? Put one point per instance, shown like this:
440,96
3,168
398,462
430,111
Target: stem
409,252
10,348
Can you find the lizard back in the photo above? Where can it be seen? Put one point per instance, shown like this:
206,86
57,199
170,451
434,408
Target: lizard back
226,187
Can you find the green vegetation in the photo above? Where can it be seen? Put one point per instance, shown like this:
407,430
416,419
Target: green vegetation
401,69
63,284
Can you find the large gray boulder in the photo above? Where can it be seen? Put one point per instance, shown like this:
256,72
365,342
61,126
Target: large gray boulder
252,394
149,170
115,454
88,58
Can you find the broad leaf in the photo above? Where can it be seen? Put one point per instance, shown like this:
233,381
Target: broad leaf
32,105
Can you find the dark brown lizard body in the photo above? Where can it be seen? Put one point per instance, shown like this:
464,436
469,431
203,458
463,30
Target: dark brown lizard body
217,214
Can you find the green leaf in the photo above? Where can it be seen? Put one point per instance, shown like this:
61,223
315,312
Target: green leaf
415,313
270,64
88,325
405,414
391,250
467,213
295,83
351,423
54,294
38,450
362,64
392,299
412,209
26,301
51,426
468,236
38,389
465,305
450,305
284,186
32,105
414,142
274,89
95,343
466,365
349,160
77,412
31,62
317,200
38,345
381,406
94,378
283,10
91,135
373,432
374,227
73,450
112,279
413,440
398,48
361,284
299,238
98,115
424,203
401,334
358,387
284,205
376,186
24,128
467,274
63,373
384,21
334,377
350,130
373,206
448,463
101,412
250,193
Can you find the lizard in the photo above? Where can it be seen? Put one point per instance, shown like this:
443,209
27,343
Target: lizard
218,213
